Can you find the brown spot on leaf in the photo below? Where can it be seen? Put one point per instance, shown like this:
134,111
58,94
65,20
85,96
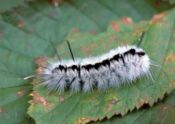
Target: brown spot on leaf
41,61
140,103
127,20
61,99
109,104
157,18
1,110
146,100
20,24
114,101
84,120
170,58
39,70
20,93
56,2
172,85
158,3
37,99
115,26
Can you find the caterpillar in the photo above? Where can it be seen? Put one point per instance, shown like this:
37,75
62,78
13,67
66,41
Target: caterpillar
119,66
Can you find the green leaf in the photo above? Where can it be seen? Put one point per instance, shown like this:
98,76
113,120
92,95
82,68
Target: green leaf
163,113
13,90
83,107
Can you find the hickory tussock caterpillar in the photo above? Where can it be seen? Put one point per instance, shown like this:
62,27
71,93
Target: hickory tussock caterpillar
119,66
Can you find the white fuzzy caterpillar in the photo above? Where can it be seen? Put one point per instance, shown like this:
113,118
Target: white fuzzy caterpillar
119,66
